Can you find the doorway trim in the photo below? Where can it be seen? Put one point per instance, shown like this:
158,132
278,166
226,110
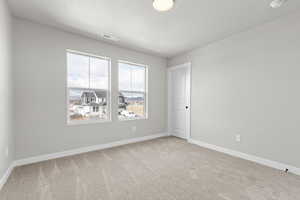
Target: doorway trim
187,65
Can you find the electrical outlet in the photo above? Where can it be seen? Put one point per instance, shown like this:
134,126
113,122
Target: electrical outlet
237,138
133,129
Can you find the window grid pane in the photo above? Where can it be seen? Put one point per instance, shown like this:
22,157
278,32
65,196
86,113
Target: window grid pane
132,91
78,71
88,101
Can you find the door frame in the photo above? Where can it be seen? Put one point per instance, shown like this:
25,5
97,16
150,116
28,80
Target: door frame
188,66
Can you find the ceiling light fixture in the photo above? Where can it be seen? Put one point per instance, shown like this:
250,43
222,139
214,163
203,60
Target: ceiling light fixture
163,5
277,3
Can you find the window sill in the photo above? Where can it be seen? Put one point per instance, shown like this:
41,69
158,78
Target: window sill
78,123
134,119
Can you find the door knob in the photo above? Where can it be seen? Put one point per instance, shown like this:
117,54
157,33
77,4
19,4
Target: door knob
186,107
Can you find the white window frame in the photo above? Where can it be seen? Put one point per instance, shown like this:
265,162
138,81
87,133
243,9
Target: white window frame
91,121
145,92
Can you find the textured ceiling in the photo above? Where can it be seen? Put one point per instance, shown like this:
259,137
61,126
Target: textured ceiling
191,24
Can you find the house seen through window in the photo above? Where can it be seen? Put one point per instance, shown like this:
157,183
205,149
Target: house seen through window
88,88
132,91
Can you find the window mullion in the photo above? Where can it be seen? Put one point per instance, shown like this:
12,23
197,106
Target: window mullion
89,72
131,80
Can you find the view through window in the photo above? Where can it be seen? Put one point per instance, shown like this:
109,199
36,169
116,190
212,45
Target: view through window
132,91
88,88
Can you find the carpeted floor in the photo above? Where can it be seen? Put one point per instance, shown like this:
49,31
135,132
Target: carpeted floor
165,169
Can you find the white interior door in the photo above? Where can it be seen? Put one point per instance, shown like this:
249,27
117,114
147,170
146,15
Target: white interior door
179,101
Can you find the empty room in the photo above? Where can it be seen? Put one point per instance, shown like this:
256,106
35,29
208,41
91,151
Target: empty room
149,100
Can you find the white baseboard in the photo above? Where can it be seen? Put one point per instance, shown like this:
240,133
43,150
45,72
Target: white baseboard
40,158
262,161
238,154
6,175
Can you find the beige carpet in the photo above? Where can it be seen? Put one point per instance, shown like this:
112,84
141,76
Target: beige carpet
165,169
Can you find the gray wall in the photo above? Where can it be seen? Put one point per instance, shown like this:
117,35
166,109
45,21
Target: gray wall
40,90
249,84
6,133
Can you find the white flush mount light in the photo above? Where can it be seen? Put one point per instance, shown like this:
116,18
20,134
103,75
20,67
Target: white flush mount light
163,5
277,3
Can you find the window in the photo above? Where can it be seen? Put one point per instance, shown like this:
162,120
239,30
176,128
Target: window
132,91
88,88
